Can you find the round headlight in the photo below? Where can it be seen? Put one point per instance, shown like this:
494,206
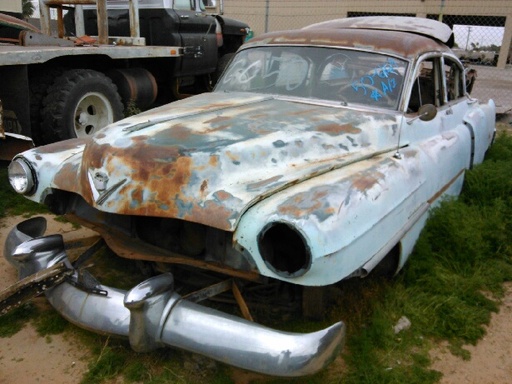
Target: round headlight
21,176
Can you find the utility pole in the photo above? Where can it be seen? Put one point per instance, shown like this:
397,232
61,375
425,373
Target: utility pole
267,6
467,40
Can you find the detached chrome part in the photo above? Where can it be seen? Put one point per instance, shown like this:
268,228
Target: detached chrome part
152,315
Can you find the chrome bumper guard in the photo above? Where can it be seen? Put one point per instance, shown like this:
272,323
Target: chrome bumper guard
153,315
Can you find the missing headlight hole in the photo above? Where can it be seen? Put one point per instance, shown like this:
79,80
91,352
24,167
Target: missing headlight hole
284,250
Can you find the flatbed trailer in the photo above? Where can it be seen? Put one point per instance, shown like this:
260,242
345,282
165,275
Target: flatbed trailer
74,81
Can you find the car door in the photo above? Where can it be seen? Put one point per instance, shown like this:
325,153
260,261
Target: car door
443,144
197,30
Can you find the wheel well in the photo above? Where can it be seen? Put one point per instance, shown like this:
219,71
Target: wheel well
388,266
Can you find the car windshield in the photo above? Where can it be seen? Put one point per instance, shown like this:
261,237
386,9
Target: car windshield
341,75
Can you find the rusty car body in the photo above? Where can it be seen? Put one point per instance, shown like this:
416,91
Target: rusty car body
316,158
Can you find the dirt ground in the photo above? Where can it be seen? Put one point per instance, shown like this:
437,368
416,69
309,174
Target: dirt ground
29,358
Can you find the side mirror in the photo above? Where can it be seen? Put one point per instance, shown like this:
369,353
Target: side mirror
426,112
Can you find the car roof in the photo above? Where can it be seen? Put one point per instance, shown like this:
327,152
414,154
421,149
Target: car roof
426,27
394,37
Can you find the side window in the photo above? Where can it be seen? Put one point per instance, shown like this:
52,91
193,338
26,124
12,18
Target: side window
210,3
454,79
184,5
428,85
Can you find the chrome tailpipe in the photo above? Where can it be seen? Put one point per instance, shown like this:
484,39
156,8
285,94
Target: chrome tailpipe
152,315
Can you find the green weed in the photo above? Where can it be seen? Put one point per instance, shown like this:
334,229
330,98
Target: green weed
50,323
12,322
448,289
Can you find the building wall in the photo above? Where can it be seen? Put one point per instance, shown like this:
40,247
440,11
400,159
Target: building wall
10,6
289,14
273,15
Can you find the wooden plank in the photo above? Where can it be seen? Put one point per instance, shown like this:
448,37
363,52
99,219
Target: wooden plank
31,286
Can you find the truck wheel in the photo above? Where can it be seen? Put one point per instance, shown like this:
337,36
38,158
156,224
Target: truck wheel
78,104
39,84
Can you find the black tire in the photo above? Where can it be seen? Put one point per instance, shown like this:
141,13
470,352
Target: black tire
39,84
78,104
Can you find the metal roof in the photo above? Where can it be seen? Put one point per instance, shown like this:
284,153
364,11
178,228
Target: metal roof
418,25
404,44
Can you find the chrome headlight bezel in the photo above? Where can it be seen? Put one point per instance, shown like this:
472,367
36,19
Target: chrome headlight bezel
22,176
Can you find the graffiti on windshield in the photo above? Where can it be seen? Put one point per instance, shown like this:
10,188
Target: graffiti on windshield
287,71
379,82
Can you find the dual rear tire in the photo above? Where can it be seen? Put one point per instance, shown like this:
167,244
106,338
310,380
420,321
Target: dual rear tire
79,103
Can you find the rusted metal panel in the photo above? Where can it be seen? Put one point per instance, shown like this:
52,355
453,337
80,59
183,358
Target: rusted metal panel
422,26
134,18
30,38
347,214
102,21
403,44
32,286
15,55
13,22
11,144
216,183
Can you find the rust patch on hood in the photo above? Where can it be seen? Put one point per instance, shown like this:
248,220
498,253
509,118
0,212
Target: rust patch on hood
308,203
67,176
188,169
338,129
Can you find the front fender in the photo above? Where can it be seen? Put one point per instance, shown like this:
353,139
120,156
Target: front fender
346,217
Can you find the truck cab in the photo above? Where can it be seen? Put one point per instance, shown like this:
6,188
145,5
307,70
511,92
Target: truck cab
205,37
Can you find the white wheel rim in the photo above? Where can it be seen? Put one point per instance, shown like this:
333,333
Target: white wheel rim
93,112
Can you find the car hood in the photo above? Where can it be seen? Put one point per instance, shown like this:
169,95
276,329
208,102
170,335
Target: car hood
207,162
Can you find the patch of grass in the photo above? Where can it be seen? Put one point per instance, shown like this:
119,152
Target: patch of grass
50,323
62,219
115,361
12,322
448,289
108,364
131,109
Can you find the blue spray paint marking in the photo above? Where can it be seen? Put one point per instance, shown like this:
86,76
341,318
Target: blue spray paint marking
370,83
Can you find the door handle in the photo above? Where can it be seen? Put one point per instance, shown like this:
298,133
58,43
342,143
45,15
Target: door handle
184,17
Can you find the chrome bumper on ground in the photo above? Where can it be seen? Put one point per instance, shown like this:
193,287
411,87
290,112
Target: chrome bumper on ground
153,315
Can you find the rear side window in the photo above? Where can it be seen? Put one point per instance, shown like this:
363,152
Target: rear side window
454,75
184,5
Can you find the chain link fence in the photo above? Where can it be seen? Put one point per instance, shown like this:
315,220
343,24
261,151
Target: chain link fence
482,41
478,44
